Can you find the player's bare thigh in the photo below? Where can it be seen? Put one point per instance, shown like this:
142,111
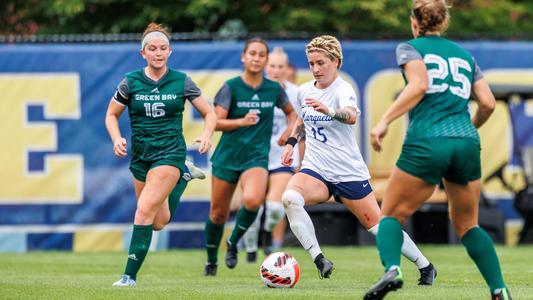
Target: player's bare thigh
463,201
254,186
313,190
159,183
405,193
277,183
365,209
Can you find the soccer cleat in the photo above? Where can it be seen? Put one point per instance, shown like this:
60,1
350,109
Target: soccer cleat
231,255
210,269
324,266
251,257
390,281
125,280
501,294
196,173
267,242
427,275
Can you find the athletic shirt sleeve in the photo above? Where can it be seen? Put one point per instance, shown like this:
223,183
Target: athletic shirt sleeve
283,99
477,71
191,89
406,53
223,97
347,98
122,94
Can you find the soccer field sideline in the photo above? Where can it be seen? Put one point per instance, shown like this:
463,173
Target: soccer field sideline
178,275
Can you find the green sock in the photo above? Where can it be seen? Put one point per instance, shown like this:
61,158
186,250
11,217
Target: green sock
480,248
389,242
213,235
245,218
175,196
140,243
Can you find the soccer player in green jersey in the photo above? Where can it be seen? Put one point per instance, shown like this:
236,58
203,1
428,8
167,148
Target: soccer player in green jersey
155,97
245,110
441,143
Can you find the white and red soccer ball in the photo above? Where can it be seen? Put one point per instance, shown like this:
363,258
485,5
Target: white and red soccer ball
279,270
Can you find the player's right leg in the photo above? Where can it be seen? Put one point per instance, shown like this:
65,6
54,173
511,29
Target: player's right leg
464,201
304,189
222,188
159,183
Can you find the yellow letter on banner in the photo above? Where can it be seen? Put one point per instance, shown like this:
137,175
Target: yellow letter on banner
61,181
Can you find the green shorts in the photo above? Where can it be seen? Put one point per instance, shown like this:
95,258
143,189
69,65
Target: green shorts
232,176
139,168
455,159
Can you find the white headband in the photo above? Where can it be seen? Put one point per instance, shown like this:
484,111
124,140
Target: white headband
153,35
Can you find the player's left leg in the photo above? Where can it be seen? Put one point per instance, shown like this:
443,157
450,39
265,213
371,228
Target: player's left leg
254,185
367,212
404,195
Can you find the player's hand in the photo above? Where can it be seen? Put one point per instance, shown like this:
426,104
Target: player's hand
283,138
286,156
250,119
377,134
120,147
205,143
317,105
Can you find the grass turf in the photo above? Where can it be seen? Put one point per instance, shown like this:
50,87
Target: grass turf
178,275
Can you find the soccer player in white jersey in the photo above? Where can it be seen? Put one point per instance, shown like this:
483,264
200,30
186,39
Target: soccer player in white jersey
279,175
332,164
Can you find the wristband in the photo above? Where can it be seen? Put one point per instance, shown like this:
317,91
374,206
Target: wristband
291,141
331,112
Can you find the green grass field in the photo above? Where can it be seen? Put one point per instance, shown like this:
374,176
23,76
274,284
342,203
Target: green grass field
178,275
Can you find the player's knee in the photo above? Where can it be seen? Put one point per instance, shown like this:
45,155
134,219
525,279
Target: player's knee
292,198
461,228
217,217
252,204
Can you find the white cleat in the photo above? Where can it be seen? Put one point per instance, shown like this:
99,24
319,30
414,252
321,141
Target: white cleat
125,281
196,173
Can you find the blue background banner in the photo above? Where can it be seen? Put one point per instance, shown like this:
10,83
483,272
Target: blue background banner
62,186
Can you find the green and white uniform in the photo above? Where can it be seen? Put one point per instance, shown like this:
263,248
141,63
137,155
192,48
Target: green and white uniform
441,140
246,147
156,116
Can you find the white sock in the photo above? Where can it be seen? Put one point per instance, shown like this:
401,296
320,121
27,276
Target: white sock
251,236
409,249
300,222
274,214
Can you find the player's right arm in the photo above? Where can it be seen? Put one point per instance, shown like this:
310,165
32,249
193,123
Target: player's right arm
116,106
485,100
222,106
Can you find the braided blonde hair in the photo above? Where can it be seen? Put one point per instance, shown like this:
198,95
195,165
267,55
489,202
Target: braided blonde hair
327,44
431,15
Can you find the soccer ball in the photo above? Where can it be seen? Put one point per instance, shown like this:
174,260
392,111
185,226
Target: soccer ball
279,270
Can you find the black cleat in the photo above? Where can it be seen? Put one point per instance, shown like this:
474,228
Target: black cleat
251,257
390,281
501,294
324,266
427,275
267,242
210,269
231,255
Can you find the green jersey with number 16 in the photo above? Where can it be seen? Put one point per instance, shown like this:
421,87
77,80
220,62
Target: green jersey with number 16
156,112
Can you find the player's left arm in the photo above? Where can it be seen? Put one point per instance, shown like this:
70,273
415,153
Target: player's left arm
210,122
288,109
346,115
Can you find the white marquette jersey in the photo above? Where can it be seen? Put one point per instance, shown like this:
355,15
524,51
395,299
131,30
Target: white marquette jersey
331,148
279,126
